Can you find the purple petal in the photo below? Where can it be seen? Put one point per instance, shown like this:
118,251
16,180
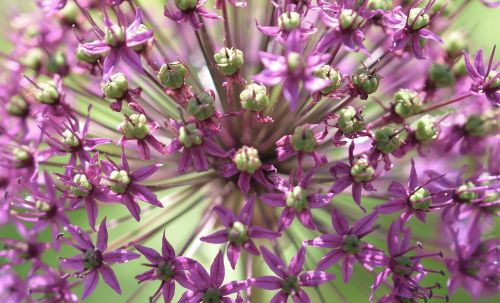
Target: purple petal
119,256
339,223
102,236
315,278
89,283
216,238
144,172
267,282
152,255
168,291
274,262
217,271
262,233
109,277
329,259
297,262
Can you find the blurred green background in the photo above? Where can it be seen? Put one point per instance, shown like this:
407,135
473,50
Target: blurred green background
483,25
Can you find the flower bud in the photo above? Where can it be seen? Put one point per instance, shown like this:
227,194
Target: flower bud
114,35
441,76
289,21
70,138
330,73
455,43
350,121
229,60
141,47
22,156
303,139
348,18
201,106
82,187
297,198
237,233
362,171
365,81
408,103
189,135
294,61
465,195
351,244
420,199
173,74
247,159
69,13
425,130
119,181
135,127
47,93
494,84
32,58
417,19
379,4
17,107
483,125
388,139
459,69
82,55
254,97
116,87
403,265
186,5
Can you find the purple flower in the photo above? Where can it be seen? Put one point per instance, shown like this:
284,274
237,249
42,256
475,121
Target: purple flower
484,80
124,184
359,173
165,267
247,164
49,286
287,21
13,289
347,244
296,200
195,144
292,70
290,280
411,27
415,198
185,12
94,260
120,42
205,287
238,231
491,3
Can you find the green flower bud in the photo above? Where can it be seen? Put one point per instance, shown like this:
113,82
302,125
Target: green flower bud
459,69
404,265
455,43
119,181
421,199
350,121
425,129
254,97
173,75
229,60
388,139
141,47
22,156
349,19
237,233
17,107
297,198
32,58
115,36
379,4
57,62
362,171
441,76
330,73
408,103
135,127
70,138
365,81
439,6
303,139
165,271
69,13
42,205
189,135
351,244
294,61
417,20
201,106
247,159
465,195
82,55
496,82
288,21
83,188
47,93
116,87
483,125
186,5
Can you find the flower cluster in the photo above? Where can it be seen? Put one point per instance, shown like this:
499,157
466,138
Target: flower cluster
249,133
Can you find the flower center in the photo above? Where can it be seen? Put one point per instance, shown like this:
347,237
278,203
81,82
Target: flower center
189,135
115,35
417,20
165,271
288,21
186,5
294,62
17,107
212,295
119,181
237,233
349,19
297,198
351,244
201,106
247,159
420,199
254,97
402,265
463,194
229,60
22,156
82,186
290,284
135,127
303,139
70,138
362,171
92,259
350,121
